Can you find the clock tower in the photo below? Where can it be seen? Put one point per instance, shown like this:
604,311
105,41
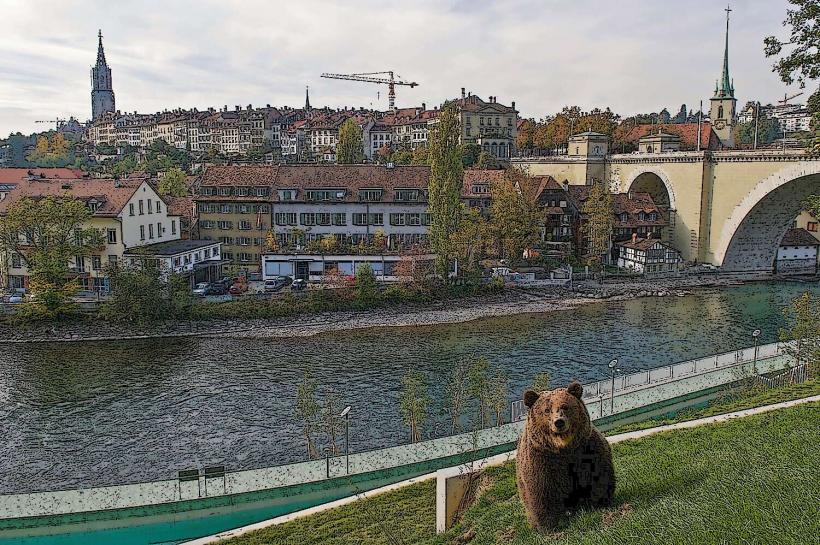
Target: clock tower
724,104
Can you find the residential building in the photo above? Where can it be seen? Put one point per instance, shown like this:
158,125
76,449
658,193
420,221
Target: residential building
797,253
196,260
647,255
491,125
808,222
127,213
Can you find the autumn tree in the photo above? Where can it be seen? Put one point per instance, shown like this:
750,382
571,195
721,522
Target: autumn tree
350,147
599,221
516,216
541,382
420,156
445,185
173,183
402,157
525,140
414,402
487,161
308,412
48,234
473,238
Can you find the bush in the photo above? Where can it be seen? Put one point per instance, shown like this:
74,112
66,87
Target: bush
367,290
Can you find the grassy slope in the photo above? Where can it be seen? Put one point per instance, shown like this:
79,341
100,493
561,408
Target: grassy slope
407,516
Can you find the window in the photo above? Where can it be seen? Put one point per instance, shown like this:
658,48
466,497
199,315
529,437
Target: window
264,209
142,232
370,195
376,218
150,230
112,236
244,225
225,191
286,218
112,259
16,261
359,218
159,207
426,219
811,226
307,218
141,211
339,218
480,188
262,191
323,218
407,194
326,194
225,225
130,209
244,209
396,219
226,208
226,240
243,241
242,191
96,262
150,206
173,227
159,229
413,219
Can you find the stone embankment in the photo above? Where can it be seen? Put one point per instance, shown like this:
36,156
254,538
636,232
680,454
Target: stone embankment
510,302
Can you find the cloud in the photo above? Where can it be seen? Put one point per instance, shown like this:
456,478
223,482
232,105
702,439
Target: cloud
630,55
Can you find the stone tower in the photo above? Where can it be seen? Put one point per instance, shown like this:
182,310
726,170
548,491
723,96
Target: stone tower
724,104
102,93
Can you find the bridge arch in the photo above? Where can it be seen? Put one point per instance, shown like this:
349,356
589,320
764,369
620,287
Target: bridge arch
751,235
645,179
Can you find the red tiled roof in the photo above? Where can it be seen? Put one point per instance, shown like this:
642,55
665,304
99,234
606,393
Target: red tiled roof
12,175
799,237
630,203
111,195
352,178
479,176
642,244
688,133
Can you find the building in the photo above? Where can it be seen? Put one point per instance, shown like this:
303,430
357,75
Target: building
195,260
723,108
659,143
796,121
687,132
808,222
797,253
647,255
102,91
129,214
563,213
491,125
258,209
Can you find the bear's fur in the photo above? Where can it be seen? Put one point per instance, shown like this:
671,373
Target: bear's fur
563,462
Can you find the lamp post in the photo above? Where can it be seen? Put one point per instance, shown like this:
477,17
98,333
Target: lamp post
613,368
346,415
756,335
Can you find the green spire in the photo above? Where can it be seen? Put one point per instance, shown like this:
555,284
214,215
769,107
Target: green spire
725,89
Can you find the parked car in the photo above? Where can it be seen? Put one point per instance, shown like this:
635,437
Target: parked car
277,283
14,298
201,289
238,288
216,289
298,285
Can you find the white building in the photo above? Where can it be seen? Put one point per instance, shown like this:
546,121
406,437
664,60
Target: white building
797,253
648,255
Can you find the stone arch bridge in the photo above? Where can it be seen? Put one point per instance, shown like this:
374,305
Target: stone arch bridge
727,208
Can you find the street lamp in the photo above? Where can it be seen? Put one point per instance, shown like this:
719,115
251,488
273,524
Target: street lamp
613,368
756,334
346,415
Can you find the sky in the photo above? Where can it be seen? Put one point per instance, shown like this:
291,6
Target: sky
633,56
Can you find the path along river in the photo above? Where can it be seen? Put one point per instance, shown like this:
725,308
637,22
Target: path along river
99,413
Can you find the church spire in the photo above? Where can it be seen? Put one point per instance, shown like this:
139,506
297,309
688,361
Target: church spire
100,50
307,97
725,88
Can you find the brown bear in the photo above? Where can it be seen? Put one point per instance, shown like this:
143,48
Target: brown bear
563,462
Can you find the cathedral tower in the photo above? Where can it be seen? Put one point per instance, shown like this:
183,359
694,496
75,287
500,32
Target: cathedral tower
102,93
724,104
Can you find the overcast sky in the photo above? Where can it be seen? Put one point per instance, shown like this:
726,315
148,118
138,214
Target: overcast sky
631,55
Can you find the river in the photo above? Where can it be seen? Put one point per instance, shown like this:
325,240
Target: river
101,413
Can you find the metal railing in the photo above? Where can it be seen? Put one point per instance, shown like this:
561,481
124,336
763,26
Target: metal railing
629,382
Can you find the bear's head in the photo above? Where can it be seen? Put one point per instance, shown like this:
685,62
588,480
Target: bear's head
558,420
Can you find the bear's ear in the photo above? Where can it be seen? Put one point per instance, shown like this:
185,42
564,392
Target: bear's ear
576,389
530,397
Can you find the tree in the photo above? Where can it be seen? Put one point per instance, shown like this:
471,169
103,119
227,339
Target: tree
525,141
48,234
457,393
308,412
487,161
331,420
802,63
599,220
541,382
401,157
173,183
414,402
472,239
420,156
812,205
768,130
350,148
470,154
479,387
803,334
367,290
446,180
517,217
498,395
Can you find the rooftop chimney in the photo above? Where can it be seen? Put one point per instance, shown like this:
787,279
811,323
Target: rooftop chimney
513,105
462,92
423,106
634,237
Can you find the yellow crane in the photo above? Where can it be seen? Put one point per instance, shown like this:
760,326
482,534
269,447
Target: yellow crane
368,77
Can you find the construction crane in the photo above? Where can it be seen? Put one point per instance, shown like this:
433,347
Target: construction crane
367,77
57,122
787,98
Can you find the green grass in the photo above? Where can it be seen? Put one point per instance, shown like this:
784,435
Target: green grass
751,480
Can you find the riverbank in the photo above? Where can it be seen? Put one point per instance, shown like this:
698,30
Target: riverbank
511,301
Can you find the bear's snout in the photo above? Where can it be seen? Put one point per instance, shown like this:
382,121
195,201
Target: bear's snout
560,424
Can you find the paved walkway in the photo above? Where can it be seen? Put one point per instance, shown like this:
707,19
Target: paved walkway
489,462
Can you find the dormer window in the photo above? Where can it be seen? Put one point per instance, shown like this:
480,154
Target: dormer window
93,205
480,188
407,195
370,195
624,217
287,194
